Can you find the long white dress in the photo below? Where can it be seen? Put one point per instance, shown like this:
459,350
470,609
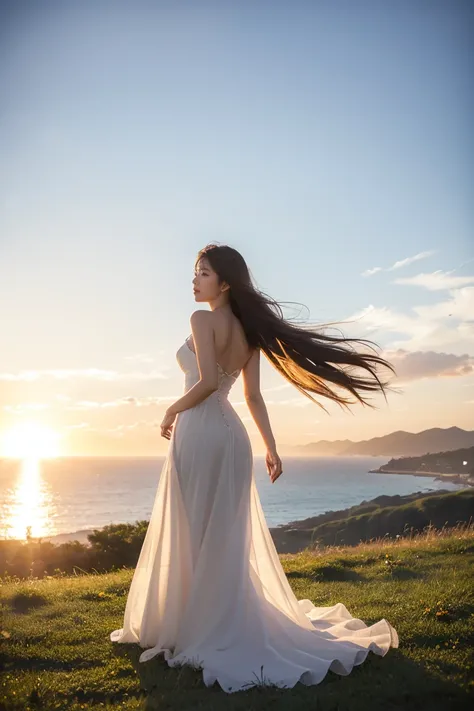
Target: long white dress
209,589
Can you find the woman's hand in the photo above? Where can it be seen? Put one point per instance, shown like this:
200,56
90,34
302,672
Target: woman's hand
274,465
167,424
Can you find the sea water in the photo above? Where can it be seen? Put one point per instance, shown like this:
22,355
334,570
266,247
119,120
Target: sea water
69,494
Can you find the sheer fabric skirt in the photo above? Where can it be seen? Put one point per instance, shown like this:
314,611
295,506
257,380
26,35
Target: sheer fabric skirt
209,589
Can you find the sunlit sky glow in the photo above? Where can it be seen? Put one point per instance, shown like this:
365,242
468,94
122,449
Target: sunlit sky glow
28,440
330,143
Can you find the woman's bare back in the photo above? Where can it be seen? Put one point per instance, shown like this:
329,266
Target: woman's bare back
232,348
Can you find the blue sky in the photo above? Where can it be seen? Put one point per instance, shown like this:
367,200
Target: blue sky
327,141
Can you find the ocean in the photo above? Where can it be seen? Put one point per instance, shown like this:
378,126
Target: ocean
72,494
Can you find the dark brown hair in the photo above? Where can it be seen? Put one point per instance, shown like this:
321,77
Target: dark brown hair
306,357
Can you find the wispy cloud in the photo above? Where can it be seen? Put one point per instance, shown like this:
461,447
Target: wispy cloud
121,430
429,341
275,388
140,358
436,281
82,373
128,401
447,323
429,364
300,401
420,332
116,430
25,407
400,263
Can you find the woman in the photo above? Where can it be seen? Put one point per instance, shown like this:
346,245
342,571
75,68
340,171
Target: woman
209,589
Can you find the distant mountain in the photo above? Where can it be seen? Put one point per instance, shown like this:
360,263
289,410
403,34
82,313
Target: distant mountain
398,443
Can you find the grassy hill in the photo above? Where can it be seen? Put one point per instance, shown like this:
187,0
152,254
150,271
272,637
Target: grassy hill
383,516
57,654
116,546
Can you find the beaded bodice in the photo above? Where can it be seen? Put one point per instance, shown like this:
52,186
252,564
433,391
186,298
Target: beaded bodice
187,360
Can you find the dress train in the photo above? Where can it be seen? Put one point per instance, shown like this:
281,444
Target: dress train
209,589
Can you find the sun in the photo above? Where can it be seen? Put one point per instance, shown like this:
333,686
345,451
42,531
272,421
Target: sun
30,440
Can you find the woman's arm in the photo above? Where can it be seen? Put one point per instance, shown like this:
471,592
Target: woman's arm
204,343
258,410
193,397
255,401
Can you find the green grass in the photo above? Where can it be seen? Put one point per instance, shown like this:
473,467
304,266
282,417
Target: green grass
57,653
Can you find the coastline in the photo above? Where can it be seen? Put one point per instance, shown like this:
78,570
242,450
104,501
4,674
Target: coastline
278,533
456,478
80,536
286,537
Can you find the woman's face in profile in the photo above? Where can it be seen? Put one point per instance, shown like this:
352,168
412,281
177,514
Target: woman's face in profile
205,282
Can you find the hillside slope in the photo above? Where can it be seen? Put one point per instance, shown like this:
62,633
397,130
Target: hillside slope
382,516
57,653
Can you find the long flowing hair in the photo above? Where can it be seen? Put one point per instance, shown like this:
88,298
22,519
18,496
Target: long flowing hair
308,358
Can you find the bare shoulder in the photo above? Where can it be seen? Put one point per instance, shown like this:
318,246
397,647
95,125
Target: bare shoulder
200,316
202,321
202,324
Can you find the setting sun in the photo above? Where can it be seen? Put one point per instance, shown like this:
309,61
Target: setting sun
30,441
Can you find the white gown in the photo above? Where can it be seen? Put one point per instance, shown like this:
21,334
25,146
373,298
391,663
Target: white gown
209,589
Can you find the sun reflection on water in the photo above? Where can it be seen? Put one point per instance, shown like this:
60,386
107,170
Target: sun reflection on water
27,504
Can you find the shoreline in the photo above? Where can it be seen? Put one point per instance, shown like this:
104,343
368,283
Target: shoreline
284,532
281,534
455,477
